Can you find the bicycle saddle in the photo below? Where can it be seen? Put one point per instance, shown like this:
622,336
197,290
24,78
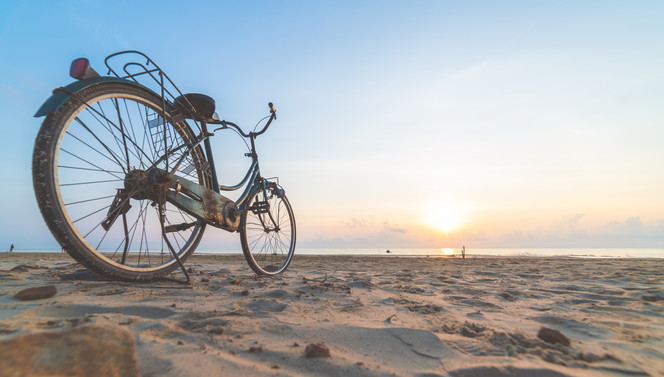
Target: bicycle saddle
203,106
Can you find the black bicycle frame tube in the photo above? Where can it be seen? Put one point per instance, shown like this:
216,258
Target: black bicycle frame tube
256,175
208,152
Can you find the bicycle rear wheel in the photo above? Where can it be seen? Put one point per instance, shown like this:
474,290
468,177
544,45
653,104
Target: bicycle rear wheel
91,160
267,231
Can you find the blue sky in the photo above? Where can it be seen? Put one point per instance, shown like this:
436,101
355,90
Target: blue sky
402,124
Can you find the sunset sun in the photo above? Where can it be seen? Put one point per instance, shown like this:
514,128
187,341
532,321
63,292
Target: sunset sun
446,217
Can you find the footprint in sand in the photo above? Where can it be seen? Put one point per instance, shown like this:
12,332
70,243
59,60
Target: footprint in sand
575,329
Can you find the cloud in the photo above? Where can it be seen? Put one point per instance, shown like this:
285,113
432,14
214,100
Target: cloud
393,228
359,223
568,232
573,220
632,232
371,225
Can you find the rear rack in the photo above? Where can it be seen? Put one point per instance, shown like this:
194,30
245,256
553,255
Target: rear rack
138,67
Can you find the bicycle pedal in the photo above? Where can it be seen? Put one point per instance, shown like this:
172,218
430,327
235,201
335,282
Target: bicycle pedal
178,227
260,207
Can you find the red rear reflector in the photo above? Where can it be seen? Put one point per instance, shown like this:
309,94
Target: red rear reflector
78,68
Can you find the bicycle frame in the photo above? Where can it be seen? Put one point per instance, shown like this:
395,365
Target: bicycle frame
168,90
253,175
133,70
251,180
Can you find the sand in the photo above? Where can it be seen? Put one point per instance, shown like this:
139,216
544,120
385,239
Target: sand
379,316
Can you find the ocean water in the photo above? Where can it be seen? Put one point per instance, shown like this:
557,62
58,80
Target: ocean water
450,252
496,252
479,252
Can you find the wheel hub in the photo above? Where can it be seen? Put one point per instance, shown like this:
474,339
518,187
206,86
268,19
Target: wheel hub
137,184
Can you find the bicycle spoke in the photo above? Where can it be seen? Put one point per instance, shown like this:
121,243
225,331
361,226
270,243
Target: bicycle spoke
88,169
116,127
86,216
115,158
109,127
88,162
90,183
133,133
90,200
124,137
105,124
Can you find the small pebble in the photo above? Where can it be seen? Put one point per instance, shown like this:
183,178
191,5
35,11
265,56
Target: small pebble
37,293
317,350
553,336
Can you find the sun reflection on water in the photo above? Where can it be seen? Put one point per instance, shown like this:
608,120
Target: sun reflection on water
447,252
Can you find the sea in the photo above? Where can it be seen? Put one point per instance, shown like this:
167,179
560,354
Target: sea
457,252
492,252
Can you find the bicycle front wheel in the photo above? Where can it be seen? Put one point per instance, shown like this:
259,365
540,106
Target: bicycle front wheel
91,164
267,231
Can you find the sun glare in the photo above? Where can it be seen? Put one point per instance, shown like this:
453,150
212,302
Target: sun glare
447,252
446,217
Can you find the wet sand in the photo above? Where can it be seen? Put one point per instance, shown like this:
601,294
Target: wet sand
378,316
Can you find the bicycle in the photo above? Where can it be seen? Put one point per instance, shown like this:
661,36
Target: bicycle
125,179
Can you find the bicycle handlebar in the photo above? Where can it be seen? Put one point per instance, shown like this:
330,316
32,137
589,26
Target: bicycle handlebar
273,116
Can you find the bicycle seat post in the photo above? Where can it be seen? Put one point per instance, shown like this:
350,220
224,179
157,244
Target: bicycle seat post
204,129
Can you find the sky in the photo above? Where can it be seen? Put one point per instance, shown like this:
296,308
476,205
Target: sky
402,124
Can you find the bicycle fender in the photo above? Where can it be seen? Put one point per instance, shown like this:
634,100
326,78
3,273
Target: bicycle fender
61,95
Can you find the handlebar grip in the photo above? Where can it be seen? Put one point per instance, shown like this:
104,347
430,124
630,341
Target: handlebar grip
272,110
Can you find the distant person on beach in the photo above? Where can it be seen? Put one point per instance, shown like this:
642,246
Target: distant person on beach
11,248
463,252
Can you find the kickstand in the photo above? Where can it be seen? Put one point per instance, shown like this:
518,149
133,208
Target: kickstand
177,258
175,255
174,280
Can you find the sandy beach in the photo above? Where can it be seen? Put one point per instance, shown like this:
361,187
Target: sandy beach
378,316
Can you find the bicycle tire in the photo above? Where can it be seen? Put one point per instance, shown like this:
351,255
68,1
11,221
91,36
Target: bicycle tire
268,251
84,141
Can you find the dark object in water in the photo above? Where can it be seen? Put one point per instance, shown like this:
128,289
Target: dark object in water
388,251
